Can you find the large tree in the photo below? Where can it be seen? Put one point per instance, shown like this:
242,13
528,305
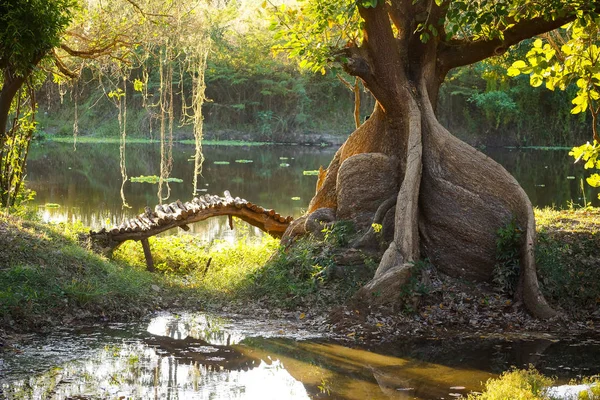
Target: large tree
29,30
434,195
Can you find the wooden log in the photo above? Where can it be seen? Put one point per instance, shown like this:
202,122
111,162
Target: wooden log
114,231
146,225
203,204
185,227
249,205
289,219
192,208
148,255
230,222
175,211
271,212
164,215
184,211
137,226
281,219
276,216
260,210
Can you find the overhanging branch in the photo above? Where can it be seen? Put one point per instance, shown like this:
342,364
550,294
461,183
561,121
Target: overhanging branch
456,53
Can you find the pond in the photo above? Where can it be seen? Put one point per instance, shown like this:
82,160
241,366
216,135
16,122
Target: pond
85,184
201,356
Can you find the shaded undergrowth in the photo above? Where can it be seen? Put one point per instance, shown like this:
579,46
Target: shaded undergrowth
568,258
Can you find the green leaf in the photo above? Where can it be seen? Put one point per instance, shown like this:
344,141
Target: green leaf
138,85
536,80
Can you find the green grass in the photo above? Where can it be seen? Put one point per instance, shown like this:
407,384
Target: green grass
45,275
184,261
568,256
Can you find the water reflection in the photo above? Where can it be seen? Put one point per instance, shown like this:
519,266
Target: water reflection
198,356
86,183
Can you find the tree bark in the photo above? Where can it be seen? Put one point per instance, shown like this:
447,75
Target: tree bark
10,87
452,199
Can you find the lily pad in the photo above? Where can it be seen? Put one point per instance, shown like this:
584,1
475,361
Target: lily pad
310,173
153,179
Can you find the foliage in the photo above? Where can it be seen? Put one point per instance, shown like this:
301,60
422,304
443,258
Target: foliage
480,104
593,393
526,384
567,256
589,153
571,56
308,271
507,268
21,49
495,104
313,32
415,286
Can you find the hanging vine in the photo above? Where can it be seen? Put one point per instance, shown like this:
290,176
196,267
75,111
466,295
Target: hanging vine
199,90
173,35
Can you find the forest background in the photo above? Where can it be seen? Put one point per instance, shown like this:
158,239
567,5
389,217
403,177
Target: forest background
255,95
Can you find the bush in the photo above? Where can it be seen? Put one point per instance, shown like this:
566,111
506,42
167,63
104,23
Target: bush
515,385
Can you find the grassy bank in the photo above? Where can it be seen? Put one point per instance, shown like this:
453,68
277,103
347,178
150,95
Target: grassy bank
529,384
47,277
568,258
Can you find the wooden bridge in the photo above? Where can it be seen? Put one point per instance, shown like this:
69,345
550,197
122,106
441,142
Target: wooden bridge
178,214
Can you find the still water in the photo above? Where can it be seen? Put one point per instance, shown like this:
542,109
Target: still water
85,183
199,356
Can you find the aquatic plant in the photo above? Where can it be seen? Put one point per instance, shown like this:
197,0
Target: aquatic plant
153,179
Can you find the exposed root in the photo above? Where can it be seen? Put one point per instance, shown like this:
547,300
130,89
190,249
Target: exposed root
368,239
405,247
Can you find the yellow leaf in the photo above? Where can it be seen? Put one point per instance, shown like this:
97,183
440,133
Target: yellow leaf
302,316
379,324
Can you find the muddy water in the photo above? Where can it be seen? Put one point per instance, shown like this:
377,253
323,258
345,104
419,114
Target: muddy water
198,356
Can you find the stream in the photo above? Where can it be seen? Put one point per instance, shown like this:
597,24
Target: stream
202,356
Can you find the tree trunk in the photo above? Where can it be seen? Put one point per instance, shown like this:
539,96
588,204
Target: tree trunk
10,87
451,199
